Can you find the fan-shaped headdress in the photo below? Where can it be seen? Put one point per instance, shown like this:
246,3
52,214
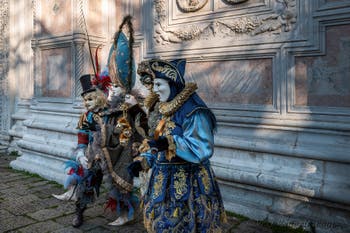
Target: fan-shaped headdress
121,64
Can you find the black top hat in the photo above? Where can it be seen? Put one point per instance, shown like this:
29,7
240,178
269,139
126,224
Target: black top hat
86,84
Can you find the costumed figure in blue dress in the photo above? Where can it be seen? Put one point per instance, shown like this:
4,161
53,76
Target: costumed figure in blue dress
183,194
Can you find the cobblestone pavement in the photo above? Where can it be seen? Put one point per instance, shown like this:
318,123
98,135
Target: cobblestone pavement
26,205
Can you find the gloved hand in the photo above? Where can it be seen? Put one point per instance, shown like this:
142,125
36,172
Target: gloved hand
81,158
134,168
161,144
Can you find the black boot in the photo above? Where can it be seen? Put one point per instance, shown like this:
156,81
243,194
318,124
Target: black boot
78,218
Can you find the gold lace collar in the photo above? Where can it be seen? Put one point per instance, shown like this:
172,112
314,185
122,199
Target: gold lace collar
169,108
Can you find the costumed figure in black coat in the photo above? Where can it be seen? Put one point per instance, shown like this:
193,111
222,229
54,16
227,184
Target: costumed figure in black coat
107,137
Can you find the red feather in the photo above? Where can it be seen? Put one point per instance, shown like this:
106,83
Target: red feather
96,59
111,204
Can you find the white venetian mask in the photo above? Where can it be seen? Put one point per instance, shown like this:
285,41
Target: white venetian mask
162,88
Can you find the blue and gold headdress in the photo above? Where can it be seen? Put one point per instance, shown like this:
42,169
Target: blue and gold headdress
173,71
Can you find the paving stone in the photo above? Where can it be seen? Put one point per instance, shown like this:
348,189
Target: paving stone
4,186
251,226
19,189
101,229
45,203
20,205
47,226
90,224
14,223
47,191
65,220
232,222
94,211
39,183
32,179
21,181
11,181
66,207
45,214
68,230
4,214
135,228
20,199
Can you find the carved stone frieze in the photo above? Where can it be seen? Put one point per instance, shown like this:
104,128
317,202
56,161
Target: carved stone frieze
280,21
191,5
235,1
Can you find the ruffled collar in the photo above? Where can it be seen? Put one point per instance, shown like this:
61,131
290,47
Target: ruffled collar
169,108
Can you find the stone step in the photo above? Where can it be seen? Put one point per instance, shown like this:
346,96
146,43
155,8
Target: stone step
3,149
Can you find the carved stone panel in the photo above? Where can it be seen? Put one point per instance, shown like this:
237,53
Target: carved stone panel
226,21
55,17
325,80
56,72
233,82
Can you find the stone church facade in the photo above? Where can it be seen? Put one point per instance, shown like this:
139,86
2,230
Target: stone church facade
275,72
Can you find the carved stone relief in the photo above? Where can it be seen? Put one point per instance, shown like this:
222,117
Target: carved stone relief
282,20
235,1
324,80
191,5
238,82
4,53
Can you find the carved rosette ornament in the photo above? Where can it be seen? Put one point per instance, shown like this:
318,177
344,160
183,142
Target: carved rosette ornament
191,5
280,21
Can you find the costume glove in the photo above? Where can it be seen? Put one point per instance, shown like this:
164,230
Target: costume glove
134,168
161,144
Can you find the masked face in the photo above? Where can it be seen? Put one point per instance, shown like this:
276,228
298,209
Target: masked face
113,92
90,101
161,87
95,100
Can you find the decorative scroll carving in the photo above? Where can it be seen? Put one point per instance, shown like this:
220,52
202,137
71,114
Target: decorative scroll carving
235,1
79,52
274,23
191,5
79,65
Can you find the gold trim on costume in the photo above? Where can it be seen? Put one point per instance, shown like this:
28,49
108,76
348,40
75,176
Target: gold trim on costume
205,179
82,119
171,152
180,184
159,179
159,129
169,108
150,100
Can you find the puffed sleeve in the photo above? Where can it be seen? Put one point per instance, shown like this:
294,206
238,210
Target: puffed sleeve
197,142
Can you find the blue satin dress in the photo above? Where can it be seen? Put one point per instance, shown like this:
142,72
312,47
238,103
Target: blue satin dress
183,195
